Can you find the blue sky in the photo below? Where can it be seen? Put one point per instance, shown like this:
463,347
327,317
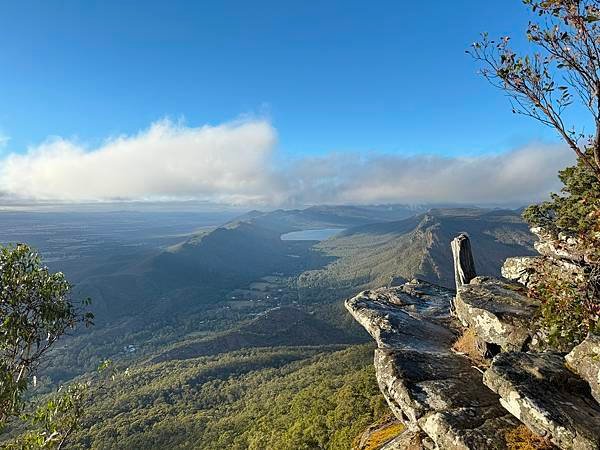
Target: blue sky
324,90
332,75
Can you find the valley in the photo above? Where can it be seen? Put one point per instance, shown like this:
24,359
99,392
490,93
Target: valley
204,323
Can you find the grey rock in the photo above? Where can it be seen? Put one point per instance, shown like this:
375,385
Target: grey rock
530,270
464,266
498,312
562,247
522,269
584,360
410,440
542,393
426,385
407,440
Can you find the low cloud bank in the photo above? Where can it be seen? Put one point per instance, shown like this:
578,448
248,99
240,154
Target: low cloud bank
515,177
234,163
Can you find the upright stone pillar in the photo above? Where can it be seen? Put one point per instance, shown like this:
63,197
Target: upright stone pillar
464,266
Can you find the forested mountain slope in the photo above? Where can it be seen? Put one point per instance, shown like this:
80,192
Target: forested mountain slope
283,398
202,268
241,340
374,255
280,326
198,271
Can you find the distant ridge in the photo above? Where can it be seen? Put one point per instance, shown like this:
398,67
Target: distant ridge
375,249
325,216
376,254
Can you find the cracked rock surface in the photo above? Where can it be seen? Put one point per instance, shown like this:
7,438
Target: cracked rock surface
541,392
584,360
498,312
428,386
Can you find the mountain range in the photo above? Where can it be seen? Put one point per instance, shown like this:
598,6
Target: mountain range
235,305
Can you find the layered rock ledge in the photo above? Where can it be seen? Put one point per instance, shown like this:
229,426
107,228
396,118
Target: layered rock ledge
427,385
498,311
541,392
439,394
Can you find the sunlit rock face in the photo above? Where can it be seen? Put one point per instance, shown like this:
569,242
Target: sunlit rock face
585,361
562,247
499,312
440,394
539,390
427,385
530,270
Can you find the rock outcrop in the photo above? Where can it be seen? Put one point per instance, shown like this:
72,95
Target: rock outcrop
499,312
427,385
584,360
440,394
562,247
531,270
539,390
523,269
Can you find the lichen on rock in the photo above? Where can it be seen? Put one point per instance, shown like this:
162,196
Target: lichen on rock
500,313
584,360
427,385
539,390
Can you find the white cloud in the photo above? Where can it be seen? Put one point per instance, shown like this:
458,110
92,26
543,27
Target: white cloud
235,163
227,163
520,176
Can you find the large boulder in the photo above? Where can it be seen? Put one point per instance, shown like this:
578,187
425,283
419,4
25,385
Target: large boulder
539,390
499,312
584,360
426,384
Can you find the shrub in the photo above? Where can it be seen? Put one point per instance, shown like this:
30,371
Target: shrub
570,306
568,310
381,435
521,438
576,212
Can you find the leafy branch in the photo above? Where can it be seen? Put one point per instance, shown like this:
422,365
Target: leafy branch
565,69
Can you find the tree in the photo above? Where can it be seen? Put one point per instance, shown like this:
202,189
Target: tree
53,422
565,69
35,311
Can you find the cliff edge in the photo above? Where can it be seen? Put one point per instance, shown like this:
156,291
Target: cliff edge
470,369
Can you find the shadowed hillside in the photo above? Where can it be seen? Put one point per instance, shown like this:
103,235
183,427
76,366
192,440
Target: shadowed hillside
211,263
198,271
283,326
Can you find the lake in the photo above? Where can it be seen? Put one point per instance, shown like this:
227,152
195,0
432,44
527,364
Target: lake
311,235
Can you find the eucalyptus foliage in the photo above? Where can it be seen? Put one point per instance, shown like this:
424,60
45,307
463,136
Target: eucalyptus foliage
564,69
35,311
